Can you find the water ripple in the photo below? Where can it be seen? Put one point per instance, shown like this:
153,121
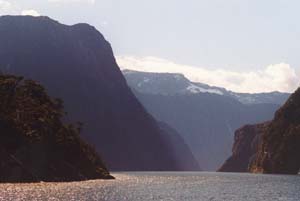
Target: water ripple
163,186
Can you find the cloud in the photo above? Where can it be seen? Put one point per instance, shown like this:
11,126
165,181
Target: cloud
278,77
73,1
104,23
7,8
30,12
11,8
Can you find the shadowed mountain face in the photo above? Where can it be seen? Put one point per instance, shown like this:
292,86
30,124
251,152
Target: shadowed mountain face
278,152
246,140
206,117
34,144
184,156
76,64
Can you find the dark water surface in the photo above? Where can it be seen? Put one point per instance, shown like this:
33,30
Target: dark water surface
165,186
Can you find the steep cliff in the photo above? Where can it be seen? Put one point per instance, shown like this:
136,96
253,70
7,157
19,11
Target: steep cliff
271,147
246,140
278,152
75,63
34,143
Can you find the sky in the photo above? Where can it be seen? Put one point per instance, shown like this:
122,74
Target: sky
242,45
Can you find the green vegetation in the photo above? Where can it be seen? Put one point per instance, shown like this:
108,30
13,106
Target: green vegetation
35,145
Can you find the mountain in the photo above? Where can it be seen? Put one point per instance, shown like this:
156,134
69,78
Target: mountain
206,117
34,143
271,147
246,141
184,156
278,152
173,83
76,64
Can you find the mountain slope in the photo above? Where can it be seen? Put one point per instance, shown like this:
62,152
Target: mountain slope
246,141
206,117
34,144
278,152
76,64
184,156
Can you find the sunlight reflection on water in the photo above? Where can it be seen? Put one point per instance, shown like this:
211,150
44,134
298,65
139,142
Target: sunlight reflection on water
178,186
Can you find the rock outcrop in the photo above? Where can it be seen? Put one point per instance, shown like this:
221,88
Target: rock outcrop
272,147
34,143
246,140
278,152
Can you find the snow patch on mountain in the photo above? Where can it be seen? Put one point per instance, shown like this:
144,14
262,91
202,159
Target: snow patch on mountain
246,99
196,89
170,84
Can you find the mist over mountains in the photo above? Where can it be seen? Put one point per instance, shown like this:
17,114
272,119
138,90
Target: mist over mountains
205,116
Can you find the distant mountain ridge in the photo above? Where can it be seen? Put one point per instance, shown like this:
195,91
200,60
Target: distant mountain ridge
76,63
206,117
175,83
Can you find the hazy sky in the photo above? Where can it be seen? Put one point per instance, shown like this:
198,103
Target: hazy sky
243,45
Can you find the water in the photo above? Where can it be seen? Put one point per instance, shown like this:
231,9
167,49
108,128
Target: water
141,186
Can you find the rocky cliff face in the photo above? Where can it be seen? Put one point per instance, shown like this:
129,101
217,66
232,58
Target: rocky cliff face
246,140
76,64
272,147
278,152
34,144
